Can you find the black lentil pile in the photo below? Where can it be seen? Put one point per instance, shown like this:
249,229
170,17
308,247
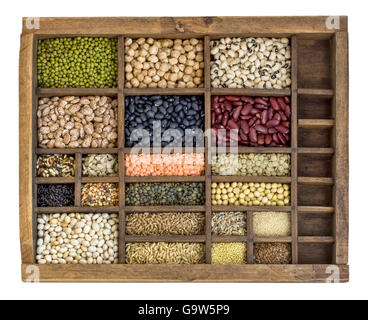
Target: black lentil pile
174,112
55,195
170,193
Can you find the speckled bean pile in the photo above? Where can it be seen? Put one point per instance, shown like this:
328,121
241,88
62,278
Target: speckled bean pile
100,194
77,122
170,223
272,224
165,253
272,253
143,165
252,164
77,238
229,223
229,253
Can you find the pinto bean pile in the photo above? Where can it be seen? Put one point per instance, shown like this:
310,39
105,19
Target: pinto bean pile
260,121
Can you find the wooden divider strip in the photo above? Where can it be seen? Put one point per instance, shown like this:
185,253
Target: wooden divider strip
207,106
121,144
78,180
340,78
250,234
294,148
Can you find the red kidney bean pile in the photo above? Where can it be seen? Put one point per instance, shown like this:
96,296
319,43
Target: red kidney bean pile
261,121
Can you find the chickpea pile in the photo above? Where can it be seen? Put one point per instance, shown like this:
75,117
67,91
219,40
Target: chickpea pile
163,63
250,194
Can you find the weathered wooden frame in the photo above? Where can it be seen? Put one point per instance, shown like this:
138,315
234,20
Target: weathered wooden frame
298,29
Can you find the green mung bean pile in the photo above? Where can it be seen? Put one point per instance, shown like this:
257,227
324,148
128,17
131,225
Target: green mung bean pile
80,62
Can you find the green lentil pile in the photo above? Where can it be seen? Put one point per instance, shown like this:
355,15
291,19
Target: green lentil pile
170,193
251,164
81,62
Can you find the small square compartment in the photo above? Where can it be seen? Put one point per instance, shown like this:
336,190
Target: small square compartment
314,107
314,165
55,195
315,224
314,138
315,253
314,64
314,195
100,165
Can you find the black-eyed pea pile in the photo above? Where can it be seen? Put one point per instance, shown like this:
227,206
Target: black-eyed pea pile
77,238
251,62
250,194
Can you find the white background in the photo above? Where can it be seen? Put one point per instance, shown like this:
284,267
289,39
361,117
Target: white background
11,286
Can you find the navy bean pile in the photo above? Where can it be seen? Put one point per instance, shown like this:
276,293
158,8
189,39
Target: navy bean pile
55,195
174,112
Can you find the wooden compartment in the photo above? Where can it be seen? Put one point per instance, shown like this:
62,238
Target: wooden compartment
314,107
314,138
315,165
315,253
314,195
315,224
314,57
318,149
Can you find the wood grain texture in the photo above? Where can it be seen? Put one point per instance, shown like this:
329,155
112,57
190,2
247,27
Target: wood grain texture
341,140
183,26
184,273
25,148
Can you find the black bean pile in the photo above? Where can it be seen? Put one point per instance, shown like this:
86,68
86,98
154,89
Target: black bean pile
170,193
55,195
174,112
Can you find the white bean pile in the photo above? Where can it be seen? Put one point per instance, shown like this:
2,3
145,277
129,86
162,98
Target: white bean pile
251,62
77,238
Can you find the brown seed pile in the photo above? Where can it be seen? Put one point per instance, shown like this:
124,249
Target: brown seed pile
100,165
165,253
272,224
77,122
170,223
55,165
272,253
229,253
100,194
229,223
